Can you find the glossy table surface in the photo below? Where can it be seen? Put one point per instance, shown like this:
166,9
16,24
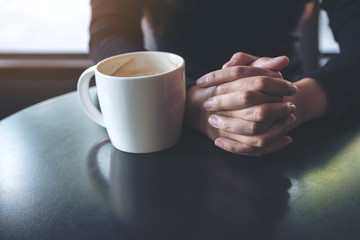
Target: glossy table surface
60,178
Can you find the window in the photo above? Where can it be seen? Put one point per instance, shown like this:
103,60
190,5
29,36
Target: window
327,43
43,50
44,26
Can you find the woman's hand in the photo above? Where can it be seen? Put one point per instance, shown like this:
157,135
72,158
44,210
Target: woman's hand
244,105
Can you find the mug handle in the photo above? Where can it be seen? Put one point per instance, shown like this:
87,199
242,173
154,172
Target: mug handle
85,99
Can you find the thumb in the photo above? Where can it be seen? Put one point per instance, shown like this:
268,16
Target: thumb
275,64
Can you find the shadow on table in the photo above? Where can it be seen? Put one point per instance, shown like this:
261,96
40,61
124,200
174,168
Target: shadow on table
195,190
190,192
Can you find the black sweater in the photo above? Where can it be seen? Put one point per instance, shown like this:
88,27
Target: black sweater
208,32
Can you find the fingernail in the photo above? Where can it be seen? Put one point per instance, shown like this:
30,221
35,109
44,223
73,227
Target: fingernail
293,88
287,141
208,104
272,60
219,143
291,119
213,120
278,58
201,81
292,107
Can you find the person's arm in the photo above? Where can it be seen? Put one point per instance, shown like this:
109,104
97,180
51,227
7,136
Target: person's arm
339,78
310,100
330,90
261,125
333,89
115,27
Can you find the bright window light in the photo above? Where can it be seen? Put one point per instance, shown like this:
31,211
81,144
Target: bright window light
327,43
44,26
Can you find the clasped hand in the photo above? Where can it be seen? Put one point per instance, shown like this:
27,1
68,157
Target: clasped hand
245,108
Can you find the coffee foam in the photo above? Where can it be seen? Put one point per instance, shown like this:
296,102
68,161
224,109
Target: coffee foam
129,69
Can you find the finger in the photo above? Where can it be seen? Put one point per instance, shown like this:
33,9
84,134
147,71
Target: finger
246,150
240,58
274,132
234,73
237,125
273,86
239,100
275,64
267,112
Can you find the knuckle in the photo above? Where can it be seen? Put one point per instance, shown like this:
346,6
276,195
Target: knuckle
238,55
261,82
226,126
260,142
264,59
276,74
233,148
258,82
255,128
220,89
259,114
252,128
284,111
246,97
240,98
238,71
216,103
210,77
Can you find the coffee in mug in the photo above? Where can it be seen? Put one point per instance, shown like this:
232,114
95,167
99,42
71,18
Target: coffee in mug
142,99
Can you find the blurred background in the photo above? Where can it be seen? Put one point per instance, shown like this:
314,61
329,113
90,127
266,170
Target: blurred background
44,49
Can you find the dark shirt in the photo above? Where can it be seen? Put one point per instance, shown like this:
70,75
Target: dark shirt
208,32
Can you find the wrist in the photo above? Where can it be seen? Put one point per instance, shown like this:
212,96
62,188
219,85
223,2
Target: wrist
310,100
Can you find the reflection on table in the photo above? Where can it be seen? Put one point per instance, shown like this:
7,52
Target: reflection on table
60,178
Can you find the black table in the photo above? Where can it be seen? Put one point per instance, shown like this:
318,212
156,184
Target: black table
60,178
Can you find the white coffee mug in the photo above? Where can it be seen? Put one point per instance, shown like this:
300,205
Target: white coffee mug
142,99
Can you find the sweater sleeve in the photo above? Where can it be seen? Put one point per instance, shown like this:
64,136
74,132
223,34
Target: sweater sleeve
340,77
115,28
